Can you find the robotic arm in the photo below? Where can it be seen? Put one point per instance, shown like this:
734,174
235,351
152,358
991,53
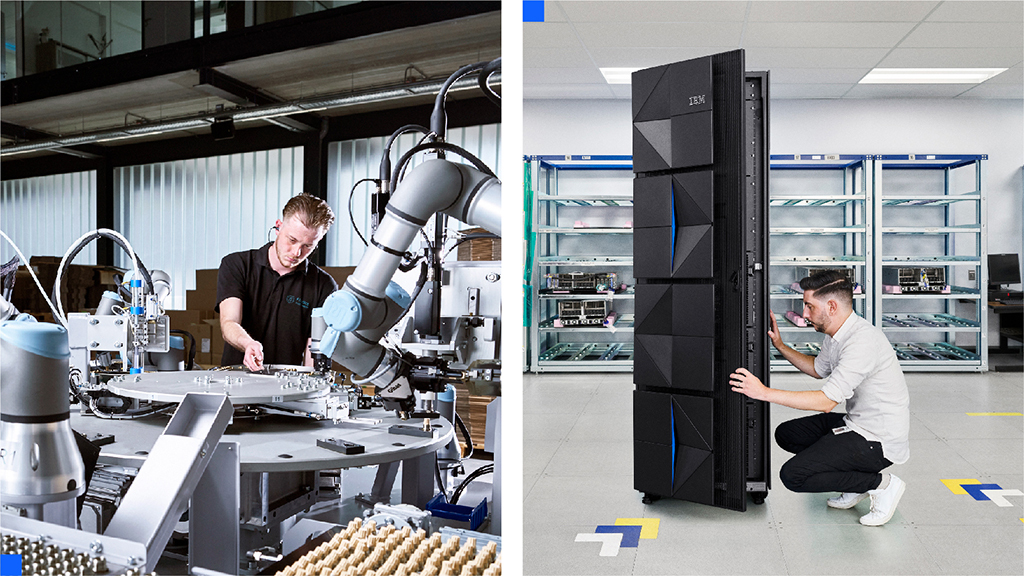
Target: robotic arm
358,315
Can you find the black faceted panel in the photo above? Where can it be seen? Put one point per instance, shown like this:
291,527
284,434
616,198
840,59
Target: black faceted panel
651,94
693,466
692,140
694,421
696,485
654,309
653,468
693,363
652,417
693,310
679,362
652,202
652,145
690,86
656,254
693,195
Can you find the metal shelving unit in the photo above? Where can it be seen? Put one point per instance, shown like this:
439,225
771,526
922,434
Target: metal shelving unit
581,220
822,217
930,212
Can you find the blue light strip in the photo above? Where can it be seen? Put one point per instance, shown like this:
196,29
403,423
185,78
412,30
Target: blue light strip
672,196
672,418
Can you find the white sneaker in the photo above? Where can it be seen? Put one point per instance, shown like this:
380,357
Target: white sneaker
883,502
846,500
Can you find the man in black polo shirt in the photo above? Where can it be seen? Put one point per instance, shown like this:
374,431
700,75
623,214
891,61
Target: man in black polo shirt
266,296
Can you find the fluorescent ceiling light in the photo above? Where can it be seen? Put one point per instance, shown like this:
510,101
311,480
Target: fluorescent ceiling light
618,75
930,75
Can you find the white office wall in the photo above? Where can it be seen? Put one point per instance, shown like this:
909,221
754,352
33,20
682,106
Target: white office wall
44,215
186,215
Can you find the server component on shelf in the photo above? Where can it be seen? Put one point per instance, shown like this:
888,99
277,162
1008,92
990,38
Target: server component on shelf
920,280
851,273
582,312
700,252
581,282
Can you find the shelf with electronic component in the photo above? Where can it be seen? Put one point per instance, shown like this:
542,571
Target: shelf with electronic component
956,292
628,295
571,356
623,323
908,261
599,200
815,200
938,356
928,323
830,261
601,261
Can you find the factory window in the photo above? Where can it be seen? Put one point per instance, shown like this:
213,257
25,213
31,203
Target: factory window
353,160
44,215
186,215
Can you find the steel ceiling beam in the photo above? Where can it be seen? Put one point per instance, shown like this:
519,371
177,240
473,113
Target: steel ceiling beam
87,151
318,28
219,84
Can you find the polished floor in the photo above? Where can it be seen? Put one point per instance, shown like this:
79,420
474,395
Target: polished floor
577,476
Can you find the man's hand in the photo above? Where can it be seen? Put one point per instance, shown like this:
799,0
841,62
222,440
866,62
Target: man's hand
744,382
253,359
773,333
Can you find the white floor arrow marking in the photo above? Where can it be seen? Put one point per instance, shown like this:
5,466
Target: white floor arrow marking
998,496
610,541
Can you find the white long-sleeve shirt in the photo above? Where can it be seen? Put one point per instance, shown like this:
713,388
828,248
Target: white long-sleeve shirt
863,370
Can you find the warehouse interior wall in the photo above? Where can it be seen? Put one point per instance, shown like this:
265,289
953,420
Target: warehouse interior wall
45,214
903,126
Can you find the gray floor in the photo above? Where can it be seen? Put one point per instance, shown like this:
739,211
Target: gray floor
577,450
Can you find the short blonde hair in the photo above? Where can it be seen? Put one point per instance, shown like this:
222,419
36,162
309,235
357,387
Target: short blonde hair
310,210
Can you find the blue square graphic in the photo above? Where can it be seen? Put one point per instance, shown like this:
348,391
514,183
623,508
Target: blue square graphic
533,10
630,534
10,564
975,490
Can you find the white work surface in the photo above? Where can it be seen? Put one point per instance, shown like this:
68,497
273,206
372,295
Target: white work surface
277,443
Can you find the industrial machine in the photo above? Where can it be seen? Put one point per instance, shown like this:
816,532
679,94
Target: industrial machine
244,506
700,154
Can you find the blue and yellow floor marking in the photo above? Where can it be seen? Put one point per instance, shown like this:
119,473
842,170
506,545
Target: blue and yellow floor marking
982,492
625,533
955,485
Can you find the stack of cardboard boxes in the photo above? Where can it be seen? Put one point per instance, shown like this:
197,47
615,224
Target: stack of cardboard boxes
199,319
81,288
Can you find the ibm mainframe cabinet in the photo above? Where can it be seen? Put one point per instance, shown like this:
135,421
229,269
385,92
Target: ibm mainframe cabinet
700,254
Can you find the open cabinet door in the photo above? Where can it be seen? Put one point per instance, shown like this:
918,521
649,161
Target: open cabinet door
699,255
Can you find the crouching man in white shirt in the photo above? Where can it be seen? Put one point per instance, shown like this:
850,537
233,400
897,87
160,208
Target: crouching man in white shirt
841,452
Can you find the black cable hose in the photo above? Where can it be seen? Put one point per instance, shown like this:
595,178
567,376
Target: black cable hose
438,117
440,146
385,158
440,479
484,76
191,358
351,216
416,292
465,433
96,235
488,469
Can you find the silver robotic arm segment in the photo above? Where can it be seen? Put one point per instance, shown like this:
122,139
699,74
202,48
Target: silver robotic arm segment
358,315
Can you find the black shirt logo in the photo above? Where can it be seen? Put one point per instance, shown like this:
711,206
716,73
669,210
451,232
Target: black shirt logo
291,299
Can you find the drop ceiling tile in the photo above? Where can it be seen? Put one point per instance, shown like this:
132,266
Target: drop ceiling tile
952,58
661,35
655,11
566,92
978,11
548,35
588,75
988,91
845,76
906,90
555,57
797,91
853,11
965,35
768,58
828,34
648,57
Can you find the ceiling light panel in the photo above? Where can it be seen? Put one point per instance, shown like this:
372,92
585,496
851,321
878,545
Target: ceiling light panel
618,75
930,75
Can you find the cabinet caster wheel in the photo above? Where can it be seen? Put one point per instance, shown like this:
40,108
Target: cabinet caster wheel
649,498
758,497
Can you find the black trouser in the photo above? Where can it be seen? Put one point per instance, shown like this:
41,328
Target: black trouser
828,462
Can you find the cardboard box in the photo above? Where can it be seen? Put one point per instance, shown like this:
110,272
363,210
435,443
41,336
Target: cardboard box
203,333
201,299
180,319
339,273
206,280
216,338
